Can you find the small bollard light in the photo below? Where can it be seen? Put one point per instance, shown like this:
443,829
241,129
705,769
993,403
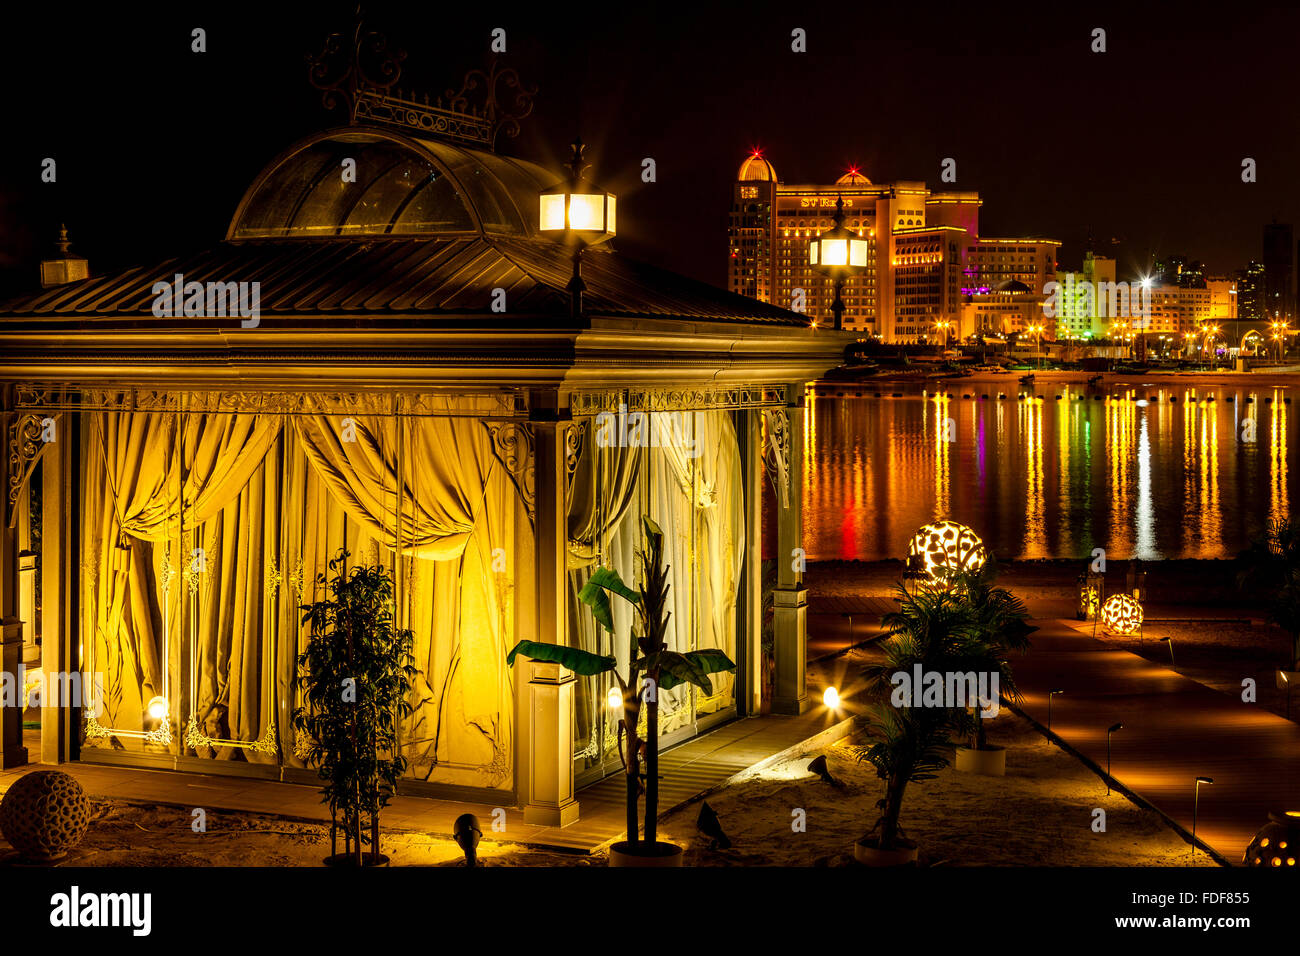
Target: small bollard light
1196,804
1170,642
467,833
1110,730
1050,694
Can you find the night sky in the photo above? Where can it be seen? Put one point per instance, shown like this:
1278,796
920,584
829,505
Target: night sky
1142,144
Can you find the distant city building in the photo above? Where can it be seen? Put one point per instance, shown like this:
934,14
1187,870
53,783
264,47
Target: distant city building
1250,293
1084,309
927,263
1179,271
1279,273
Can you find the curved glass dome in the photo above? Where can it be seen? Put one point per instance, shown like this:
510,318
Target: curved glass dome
402,187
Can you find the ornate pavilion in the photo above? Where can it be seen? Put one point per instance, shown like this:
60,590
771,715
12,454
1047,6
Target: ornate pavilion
421,388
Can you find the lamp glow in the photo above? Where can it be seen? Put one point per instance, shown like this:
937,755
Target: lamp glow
947,544
1121,615
615,699
157,708
831,698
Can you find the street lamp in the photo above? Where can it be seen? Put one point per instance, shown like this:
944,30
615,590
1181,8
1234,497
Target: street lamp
580,213
943,325
1196,805
838,253
1050,694
1286,679
1110,730
1037,331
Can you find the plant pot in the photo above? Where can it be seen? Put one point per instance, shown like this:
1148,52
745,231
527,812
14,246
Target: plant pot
346,860
989,762
1283,676
657,854
866,853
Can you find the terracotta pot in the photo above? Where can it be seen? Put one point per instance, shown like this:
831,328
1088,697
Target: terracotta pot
868,855
989,762
657,854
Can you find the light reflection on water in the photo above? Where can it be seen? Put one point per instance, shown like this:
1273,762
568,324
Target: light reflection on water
1048,478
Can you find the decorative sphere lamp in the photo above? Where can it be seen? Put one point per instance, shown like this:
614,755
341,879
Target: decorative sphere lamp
1276,844
947,544
1121,615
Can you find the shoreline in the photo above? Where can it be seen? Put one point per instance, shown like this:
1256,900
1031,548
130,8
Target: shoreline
1154,378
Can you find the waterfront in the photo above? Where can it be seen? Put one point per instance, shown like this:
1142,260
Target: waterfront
1142,469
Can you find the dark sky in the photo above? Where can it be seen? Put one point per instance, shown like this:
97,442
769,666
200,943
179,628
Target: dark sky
156,144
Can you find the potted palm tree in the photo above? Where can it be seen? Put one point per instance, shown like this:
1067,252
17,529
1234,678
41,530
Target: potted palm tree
933,631
1001,627
651,668
355,678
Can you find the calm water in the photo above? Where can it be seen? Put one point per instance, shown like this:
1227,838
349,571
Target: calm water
1046,478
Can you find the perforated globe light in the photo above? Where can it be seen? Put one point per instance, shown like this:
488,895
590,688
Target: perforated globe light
1277,845
1121,614
947,544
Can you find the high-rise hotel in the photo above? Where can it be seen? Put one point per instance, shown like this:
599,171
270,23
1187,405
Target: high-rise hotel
927,263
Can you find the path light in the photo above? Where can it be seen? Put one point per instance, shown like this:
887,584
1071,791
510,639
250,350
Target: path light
1110,730
947,544
1050,694
818,766
1286,679
1121,615
1170,641
581,214
838,253
157,708
831,698
467,834
1196,803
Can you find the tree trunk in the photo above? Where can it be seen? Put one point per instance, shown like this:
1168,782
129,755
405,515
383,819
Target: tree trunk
630,715
893,808
652,766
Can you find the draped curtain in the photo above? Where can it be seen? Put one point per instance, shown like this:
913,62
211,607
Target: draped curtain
268,507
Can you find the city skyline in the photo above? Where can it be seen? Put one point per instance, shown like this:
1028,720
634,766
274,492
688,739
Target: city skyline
696,100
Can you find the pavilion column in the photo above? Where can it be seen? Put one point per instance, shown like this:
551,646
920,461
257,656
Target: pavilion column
546,697
60,590
790,600
750,638
12,698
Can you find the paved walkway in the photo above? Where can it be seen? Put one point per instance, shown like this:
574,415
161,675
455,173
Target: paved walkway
1174,731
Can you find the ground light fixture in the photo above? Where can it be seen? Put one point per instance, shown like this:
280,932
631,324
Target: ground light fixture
1110,730
818,766
946,544
579,213
1196,804
1050,694
1121,615
1170,641
1286,679
838,253
467,834
831,698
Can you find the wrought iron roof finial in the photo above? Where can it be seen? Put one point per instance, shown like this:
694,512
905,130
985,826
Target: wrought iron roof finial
839,210
576,164
501,118
343,70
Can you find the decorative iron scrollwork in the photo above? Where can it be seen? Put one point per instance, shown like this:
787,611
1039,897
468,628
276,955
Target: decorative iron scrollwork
348,66
777,453
25,447
512,443
573,438
499,117
196,738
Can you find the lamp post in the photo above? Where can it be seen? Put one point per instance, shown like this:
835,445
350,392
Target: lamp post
1172,663
1110,730
1050,694
579,213
943,325
1196,805
1286,679
838,253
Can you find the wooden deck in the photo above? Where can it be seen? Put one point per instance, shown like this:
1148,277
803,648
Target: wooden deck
1174,731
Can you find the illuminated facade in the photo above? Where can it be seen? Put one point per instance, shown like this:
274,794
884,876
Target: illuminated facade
926,259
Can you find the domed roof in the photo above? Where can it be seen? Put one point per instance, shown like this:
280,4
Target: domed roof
1011,285
395,185
756,167
853,178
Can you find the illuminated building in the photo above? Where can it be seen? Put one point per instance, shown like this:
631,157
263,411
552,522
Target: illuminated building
1083,312
413,387
926,259
1250,293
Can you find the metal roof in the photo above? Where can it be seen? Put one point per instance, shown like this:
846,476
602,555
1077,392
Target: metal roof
372,279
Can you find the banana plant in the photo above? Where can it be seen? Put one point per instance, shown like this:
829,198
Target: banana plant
651,668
